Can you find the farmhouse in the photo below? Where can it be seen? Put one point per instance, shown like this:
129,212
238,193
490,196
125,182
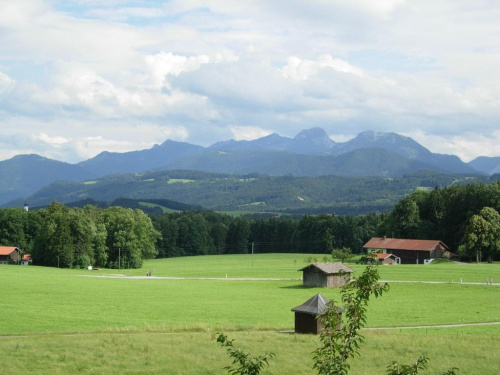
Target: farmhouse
409,251
8,254
383,258
329,275
305,315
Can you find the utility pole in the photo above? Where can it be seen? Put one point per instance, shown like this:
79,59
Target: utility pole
119,253
252,254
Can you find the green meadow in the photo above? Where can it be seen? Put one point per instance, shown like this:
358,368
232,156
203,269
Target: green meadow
60,321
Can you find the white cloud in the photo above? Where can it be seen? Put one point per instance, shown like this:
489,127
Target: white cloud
123,14
89,71
380,8
6,83
163,64
467,146
306,69
248,133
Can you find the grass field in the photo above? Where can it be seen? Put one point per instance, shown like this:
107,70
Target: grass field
58,321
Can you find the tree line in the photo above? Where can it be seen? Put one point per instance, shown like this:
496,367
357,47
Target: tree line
122,237
212,233
464,217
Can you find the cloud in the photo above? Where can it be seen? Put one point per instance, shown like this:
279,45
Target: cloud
302,70
6,84
464,146
248,133
123,73
163,64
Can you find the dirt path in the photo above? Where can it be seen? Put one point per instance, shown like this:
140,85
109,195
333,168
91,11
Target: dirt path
436,326
190,278
437,282
122,276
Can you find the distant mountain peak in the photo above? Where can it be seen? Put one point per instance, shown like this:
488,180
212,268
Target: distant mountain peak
312,134
312,141
370,135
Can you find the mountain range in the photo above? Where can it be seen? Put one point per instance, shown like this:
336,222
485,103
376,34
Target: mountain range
310,153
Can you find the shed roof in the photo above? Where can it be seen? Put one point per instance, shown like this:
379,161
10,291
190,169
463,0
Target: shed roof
403,244
330,268
7,250
314,306
385,256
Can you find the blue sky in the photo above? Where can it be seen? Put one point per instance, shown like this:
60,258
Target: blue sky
78,77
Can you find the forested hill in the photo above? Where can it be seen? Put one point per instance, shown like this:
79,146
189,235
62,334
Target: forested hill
253,192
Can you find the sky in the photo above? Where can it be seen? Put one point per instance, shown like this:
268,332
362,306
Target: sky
78,77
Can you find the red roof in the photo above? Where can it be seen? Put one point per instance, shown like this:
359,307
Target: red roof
383,256
7,250
26,257
404,244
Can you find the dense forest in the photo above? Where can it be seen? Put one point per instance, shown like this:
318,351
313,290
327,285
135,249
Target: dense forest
464,217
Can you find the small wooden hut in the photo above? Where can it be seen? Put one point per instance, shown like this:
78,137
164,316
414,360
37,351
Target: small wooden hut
306,314
329,275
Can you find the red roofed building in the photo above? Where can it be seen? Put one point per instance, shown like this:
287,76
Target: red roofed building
388,259
410,251
26,259
8,253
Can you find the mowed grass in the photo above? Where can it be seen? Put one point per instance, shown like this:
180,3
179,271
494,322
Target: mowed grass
473,350
164,326
287,266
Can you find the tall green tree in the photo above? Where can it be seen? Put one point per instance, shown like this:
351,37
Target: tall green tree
482,235
168,228
130,238
54,243
12,227
342,254
406,219
238,236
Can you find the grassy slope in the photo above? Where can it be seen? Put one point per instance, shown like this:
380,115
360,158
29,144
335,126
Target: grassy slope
41,300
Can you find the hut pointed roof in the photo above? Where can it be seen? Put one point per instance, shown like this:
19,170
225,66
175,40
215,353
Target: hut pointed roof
315,305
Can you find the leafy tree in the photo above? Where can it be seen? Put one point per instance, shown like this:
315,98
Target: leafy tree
406,219
482,235
342,254
168,228
219,234
237,236
54,243
243,363
396,369
12,227
338,345
421,364
130,238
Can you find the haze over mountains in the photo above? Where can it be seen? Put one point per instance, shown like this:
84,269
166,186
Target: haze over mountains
310,153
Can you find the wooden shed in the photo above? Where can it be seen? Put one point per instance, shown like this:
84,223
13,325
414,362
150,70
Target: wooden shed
306,315
329,275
